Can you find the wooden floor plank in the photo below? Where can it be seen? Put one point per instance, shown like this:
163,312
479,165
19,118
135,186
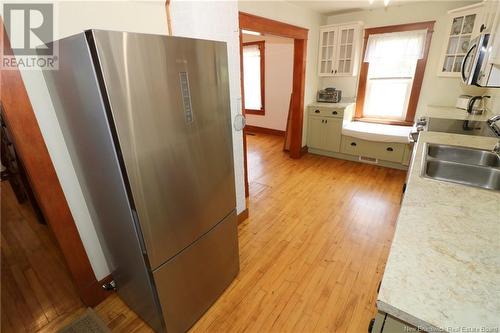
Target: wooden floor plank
36,286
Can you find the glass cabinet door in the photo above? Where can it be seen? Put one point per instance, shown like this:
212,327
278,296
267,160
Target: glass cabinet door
463,29
345,51
328,43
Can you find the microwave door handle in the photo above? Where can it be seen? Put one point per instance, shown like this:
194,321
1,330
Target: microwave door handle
462,70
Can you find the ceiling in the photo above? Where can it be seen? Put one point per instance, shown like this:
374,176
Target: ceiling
345,6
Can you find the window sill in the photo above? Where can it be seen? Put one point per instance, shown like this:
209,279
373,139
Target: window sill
255,112
385,121
377,132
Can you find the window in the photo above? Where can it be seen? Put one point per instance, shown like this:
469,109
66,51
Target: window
392,73
253,77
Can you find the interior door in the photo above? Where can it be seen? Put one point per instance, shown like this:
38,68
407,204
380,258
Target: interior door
169,102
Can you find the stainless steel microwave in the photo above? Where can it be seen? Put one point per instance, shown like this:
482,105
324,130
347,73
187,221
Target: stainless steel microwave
476,69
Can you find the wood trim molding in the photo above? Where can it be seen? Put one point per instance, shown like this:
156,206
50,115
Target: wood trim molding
245,161
269,26
264,130
30,145
385,121
243,216
419,71
262,48
169,18
298,88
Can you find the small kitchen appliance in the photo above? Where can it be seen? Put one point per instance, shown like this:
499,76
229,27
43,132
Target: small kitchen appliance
463,102
473,104
329,95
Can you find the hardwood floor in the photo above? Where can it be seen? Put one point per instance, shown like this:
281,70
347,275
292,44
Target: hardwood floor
312,252
36,286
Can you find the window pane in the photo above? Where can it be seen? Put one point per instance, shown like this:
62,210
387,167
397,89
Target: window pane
452,45
448,64
394,68
387,98
469,24
464,44
251,77
456,27
458,63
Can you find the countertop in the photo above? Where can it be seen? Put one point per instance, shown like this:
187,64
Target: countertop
443,270
450,112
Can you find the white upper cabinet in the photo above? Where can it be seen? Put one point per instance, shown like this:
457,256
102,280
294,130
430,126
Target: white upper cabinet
339,49
463,25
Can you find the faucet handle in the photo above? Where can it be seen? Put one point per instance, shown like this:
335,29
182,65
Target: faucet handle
496,149
492,124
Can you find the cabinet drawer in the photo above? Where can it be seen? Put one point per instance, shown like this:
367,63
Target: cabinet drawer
324,111
386,151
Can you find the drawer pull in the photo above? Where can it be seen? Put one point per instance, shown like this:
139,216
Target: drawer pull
353,144
390,149
316,111
335,112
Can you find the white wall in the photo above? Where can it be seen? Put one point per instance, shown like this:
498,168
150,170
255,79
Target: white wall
278,81
217,20
74,17
435,90
291,13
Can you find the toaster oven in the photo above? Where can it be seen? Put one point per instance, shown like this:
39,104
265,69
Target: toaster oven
329,95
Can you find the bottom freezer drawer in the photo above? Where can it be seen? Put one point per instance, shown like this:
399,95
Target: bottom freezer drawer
191,282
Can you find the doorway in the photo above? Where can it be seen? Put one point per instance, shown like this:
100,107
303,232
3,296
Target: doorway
293,130
268,77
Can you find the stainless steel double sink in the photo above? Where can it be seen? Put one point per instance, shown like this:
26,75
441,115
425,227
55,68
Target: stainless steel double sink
466,166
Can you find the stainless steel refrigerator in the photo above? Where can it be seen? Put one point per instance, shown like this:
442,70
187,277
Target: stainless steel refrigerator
147,122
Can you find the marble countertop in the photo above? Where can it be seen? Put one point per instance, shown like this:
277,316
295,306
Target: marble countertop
443,270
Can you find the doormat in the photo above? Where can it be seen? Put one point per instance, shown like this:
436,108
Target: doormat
89,322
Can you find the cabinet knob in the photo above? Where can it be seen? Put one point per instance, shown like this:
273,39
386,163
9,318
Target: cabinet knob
334,112
316,111
389,149
353,144
483,27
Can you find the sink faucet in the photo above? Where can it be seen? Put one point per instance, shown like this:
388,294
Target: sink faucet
496,149
492,123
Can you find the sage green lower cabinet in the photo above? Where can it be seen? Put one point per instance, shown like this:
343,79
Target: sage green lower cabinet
386,151
385,323
324,137
324,133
